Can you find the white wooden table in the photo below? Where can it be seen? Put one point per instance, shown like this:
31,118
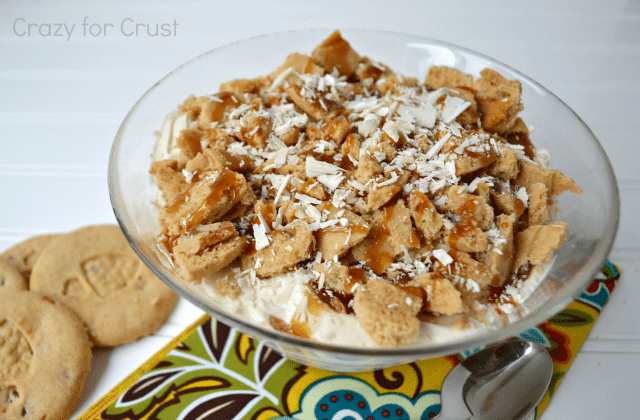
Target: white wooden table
62,98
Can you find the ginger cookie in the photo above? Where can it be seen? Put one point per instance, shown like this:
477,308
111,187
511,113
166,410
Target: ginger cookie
45,357
24,254
10,277
95,272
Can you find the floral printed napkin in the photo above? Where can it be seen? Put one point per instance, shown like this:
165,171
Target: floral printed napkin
212,371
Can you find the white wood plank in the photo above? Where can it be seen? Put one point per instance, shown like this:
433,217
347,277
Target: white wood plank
72,96
592,388
34,145
54,203
619,142
628,236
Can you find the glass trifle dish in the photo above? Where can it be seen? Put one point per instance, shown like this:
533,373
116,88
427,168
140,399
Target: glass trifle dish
337,200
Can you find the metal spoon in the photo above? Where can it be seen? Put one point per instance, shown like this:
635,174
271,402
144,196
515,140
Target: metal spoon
503,381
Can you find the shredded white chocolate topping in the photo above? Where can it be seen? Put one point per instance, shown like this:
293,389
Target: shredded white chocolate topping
389,198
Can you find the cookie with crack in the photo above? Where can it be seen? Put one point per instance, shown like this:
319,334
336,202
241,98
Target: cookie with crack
24,255
10,277
95,272
46,356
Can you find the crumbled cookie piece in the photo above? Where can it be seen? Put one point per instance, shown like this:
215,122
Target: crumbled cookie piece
216,108
394,84
538,208
506,164
265,211
220,159
391,233
474,206
443,76
506,202
256,130
190,108
217,137
385,189
337,284
518,137
169,179
336,53
335,276
470,269
387,313
441,296
240,86
555,182
209,250
351,147
313,189
285,249
466,236
189,142
317,109
335,240
335,130
535,244
386,147
296,169
424,213
300,63
198,164
469,117
499,256
498,100
368,69
367,169
207,200
471,152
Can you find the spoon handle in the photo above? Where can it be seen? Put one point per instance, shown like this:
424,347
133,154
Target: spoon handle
453,406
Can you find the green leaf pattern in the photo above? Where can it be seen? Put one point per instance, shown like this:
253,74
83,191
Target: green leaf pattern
215,373
572,318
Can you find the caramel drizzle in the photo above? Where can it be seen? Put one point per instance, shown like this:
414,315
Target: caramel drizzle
228,99
337,300
224,185
461,230
296,328
522,139
377,257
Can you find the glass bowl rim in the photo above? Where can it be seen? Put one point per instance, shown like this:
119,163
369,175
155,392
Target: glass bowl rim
544,312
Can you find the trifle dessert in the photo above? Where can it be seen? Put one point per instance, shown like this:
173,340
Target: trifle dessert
339,201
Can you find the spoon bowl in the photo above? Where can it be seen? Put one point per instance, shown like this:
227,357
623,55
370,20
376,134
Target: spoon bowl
503,381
